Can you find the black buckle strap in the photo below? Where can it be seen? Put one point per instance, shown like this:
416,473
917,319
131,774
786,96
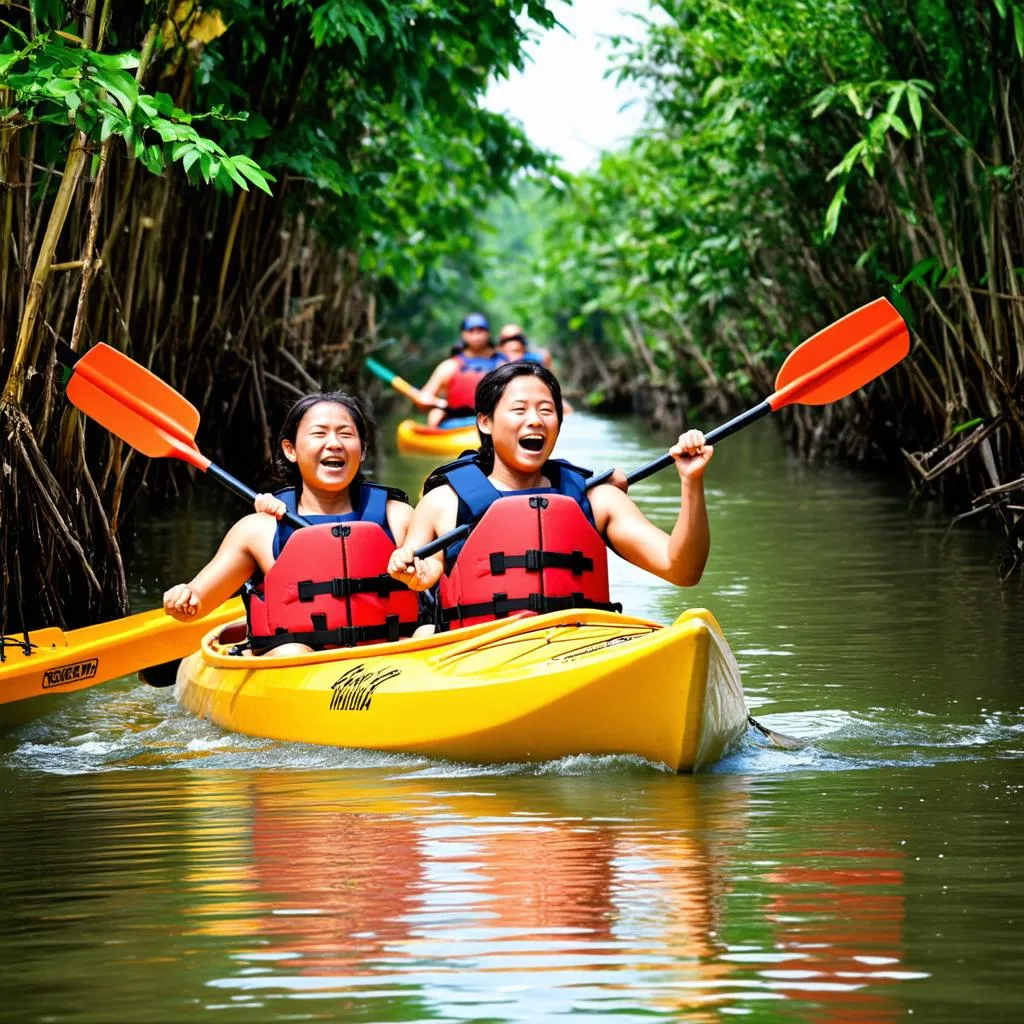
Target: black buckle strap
535,560
502,606
344,636
343,586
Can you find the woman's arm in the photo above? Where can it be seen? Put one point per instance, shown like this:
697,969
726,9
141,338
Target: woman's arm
234,562
434,515
678,557
437,387
399,515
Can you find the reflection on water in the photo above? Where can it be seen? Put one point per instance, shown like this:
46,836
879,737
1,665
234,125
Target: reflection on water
155,868
392,896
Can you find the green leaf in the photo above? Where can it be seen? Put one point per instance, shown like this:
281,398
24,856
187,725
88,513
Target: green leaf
121,86
834,209
855,101
190,158
1018,29
822,101
968,425
918,271
716,86
866,255
254,173
900,125
152,158
164,104
228,166
914,102
359,39
904,308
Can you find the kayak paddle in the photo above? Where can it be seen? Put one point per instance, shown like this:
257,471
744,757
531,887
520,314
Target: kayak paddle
828,366
144,411
147,413
403,387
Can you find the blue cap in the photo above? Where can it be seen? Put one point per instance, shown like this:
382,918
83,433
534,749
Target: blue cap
474,320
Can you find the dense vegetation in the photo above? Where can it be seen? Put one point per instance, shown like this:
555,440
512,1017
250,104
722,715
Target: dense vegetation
801,158
226,192
247,195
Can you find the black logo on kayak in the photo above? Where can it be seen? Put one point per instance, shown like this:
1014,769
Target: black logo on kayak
70,673
354,690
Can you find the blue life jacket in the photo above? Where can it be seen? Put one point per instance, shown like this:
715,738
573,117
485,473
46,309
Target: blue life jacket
534,550
328,586
476,493
369,505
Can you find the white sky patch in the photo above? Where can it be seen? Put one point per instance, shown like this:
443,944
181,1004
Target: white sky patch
562,98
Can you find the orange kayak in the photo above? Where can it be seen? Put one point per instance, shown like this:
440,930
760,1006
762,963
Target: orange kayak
52,663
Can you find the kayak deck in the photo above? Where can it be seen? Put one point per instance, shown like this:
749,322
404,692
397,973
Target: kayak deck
55,662
526,689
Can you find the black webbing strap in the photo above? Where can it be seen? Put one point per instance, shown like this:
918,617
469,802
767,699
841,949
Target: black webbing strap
535,561
344,636
344,587
502,606
26,645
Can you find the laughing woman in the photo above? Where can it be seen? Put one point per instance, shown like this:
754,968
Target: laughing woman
537,537
325,585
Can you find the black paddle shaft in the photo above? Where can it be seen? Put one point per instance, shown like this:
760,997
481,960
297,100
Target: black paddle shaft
719,433
236,485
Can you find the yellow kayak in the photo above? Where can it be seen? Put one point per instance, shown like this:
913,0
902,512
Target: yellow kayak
524,689
418,439
55,662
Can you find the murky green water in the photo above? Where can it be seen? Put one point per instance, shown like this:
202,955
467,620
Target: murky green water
154,868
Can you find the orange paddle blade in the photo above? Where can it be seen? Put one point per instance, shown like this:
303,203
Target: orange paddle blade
136,405
843,357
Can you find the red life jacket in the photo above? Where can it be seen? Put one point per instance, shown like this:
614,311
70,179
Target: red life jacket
329,585
533,551
461,394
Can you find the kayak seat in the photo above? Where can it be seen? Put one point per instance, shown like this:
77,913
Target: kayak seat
234,633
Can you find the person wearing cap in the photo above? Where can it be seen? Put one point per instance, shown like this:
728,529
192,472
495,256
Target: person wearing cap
457,377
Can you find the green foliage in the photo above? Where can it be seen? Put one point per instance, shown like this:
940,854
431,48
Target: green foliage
366,111
52,81
374,118
798,159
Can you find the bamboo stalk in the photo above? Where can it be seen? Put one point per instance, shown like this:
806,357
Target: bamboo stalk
13,389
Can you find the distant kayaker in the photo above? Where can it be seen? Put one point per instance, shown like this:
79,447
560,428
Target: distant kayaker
330,587
538,536
457,377
514,345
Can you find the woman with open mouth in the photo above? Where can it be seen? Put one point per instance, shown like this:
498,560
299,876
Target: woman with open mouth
538,537
326,585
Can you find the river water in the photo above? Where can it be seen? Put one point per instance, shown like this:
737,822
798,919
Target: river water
155,868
